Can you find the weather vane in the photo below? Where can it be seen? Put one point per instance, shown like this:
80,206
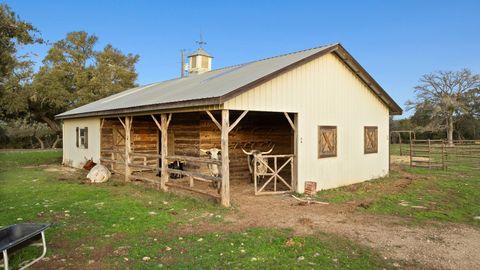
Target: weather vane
201,42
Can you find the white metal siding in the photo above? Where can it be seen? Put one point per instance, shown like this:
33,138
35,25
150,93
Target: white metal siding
325,92
74,156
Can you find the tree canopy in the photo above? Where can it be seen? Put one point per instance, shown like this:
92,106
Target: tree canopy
444,97
72,74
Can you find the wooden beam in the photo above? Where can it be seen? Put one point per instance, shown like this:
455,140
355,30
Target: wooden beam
290,120
214,120
128,147
102,122
195,159
225,189
169,119
237,121
121,122
156,122
196,175
192,190
164,154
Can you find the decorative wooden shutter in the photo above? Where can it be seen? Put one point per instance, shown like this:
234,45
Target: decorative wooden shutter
78,136
327,141
371,140
85,135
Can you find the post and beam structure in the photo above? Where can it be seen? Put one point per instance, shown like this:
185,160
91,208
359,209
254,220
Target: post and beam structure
225,189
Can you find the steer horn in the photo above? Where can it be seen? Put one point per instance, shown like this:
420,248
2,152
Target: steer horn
269,151
247,153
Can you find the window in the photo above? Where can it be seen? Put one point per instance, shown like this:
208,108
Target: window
82,137
371,140
327,141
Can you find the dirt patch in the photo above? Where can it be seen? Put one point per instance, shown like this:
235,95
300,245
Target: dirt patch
433,245
436,245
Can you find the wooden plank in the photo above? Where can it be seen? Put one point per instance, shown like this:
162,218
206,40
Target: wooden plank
136,154
164,150
232,126
142,166
107,160
292,125
196,175
193,190
143,178
225,188
195,159
214,120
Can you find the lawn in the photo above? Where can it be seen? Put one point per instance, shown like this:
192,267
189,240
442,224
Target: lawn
125,225
423,194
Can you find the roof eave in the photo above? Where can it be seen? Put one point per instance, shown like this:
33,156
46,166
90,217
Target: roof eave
153,108
337,48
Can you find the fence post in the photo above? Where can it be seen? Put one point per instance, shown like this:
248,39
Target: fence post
429,155
443,157
255,173
411,153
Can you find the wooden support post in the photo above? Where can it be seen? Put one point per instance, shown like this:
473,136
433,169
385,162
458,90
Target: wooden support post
275,167
191,181
164,154
112,164
225,191
128,147
294,163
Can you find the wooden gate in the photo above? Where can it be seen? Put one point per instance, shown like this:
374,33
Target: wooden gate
271,174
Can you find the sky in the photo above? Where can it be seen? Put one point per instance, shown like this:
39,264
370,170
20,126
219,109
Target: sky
395,41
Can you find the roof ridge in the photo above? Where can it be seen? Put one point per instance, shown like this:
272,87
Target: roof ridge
276,56
247,63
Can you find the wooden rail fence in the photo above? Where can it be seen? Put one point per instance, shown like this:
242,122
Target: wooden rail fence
193,176
440,154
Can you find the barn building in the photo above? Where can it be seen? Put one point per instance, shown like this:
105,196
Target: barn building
314,115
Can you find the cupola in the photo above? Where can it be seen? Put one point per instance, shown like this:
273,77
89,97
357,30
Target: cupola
200,62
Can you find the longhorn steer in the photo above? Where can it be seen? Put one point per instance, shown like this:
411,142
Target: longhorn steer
213,153
89,164
261,167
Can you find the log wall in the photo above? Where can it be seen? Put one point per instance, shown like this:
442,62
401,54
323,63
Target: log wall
188,132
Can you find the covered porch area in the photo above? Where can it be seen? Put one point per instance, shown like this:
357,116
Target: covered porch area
177,150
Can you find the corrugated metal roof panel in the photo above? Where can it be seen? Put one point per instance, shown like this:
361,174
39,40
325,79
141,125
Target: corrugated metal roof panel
215,83
198,88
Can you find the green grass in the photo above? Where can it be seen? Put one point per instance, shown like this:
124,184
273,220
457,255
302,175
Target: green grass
395,149
14,158
452,195
115,225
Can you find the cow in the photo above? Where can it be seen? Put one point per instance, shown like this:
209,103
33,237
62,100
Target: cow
99,174
213,153
89,164
261,167
177,165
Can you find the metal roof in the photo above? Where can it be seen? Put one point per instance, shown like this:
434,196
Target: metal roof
213,87
200,51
